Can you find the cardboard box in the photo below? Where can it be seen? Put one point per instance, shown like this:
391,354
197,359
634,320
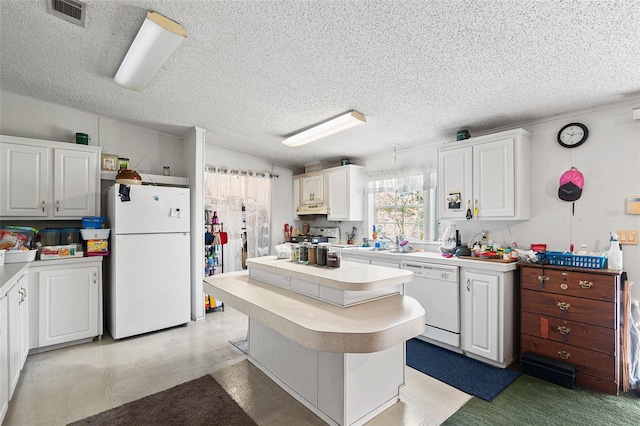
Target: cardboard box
57,252
97,246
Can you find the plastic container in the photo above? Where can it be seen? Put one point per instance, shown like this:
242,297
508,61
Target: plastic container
333,259
95,234
93,222
323,249
557,258
303,255
18,256
50,237
295,251
313,254
614,256
69,236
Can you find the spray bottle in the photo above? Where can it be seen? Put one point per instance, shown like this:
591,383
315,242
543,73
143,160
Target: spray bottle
614,256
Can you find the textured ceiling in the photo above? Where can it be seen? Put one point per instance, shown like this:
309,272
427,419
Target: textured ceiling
252,72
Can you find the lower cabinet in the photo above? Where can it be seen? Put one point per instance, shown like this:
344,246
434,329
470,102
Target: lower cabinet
65,302
4,357
487,303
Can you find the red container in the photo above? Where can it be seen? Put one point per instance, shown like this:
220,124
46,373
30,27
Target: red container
539,248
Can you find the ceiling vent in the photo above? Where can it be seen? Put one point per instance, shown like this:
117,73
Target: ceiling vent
69,10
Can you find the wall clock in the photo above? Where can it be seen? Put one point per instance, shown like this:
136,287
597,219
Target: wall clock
573,135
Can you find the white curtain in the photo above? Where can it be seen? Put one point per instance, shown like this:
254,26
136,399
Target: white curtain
242,201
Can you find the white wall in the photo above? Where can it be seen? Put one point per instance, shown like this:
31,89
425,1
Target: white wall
147,150
609,161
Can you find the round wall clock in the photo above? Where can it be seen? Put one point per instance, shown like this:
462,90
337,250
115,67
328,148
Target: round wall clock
573,135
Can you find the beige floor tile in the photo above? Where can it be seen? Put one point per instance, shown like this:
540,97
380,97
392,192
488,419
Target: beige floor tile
68,384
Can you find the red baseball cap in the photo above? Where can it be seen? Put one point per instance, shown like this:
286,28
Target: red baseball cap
571,184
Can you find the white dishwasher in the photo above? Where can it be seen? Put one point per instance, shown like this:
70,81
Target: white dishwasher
437,289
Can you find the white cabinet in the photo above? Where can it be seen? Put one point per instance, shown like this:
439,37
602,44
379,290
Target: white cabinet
48,180
490,173
65,301
487,315
296,197
24,319
15,350
345,193
312,189
4,357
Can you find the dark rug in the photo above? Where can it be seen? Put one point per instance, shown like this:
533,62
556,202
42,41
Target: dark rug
198,402
241,343
461,372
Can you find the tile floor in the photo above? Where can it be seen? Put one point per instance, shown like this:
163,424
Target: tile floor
64,385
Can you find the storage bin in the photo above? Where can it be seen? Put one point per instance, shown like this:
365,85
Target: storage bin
69,236
93,222
95,234
555,371
557,258
19,256
50,237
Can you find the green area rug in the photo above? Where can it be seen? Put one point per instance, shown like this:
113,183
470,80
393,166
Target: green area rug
531,401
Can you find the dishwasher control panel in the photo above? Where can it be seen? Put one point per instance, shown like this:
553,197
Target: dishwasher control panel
432,270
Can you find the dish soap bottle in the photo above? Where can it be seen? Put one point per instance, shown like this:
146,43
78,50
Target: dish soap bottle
614,256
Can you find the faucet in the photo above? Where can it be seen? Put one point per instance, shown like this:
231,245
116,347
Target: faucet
395,243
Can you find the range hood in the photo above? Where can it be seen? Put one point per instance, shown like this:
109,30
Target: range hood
308,209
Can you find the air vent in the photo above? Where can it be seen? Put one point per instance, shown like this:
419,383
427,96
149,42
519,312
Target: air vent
72,11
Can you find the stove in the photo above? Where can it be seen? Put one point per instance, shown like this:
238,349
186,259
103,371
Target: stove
319,235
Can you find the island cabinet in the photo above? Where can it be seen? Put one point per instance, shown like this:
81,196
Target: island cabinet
487,175
571,314
487,301
65,302
48,180
332,338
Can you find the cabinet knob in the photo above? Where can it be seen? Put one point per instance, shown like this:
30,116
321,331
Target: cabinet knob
43,206
57,205
585,284
564,354
468,281
564,307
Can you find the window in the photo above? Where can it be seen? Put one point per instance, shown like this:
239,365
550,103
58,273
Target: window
404,205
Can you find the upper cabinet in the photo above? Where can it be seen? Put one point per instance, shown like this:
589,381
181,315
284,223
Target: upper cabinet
346,193
312,189
487,176
48,180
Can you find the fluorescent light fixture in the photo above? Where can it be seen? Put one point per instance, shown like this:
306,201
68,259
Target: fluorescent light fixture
157,39
327,128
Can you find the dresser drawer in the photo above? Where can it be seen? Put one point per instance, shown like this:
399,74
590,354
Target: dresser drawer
570,308
589,362
571,283
570,332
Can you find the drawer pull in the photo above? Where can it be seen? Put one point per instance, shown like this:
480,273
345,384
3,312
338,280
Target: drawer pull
564,354
543,279
564,286
564,331
585,284
564,307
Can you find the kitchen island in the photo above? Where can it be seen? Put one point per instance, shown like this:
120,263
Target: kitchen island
342,356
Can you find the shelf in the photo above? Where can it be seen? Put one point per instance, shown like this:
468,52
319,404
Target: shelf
149,179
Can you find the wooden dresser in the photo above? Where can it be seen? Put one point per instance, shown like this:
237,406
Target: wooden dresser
571,314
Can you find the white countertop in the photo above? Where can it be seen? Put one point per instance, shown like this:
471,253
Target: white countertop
429,257
364,328
66,261
9,272
349,276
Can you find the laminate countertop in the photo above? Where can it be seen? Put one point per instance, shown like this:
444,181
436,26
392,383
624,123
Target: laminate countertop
9,272
364,328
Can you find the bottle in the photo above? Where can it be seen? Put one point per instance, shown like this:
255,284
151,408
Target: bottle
215,221
614,256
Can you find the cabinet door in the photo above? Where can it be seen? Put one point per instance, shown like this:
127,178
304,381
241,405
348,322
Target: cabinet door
479,297
15,350
493,178
296,197
337,183
68,301
313,189
455,182
25,180
24,320
75,183
4,358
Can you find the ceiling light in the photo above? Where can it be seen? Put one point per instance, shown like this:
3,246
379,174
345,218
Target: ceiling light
335,125
157,39
394,157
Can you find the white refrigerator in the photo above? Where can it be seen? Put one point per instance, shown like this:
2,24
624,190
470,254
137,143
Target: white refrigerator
148,284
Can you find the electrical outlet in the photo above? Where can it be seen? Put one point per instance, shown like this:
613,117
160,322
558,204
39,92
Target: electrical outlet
485,234
628,236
